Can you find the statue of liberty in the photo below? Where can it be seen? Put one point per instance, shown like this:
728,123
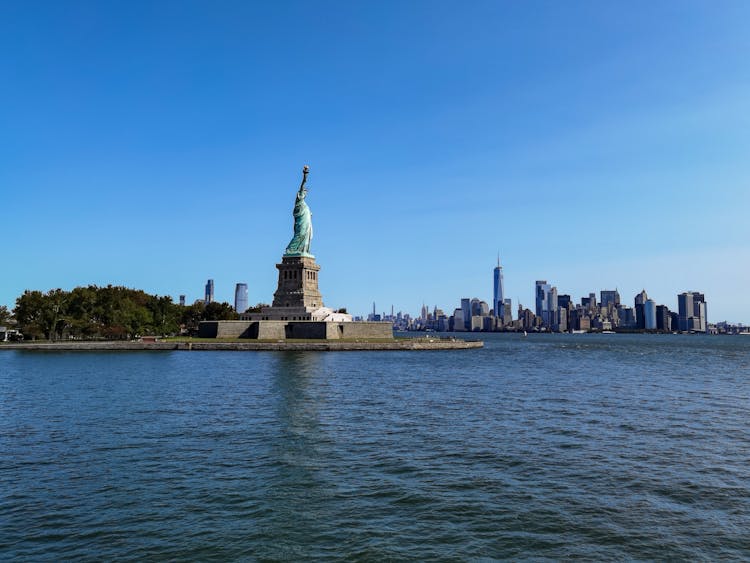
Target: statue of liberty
300,243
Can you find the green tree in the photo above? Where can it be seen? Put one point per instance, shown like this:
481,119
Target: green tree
29,312
4,315
111,312
191,315
56,313
122,312
83,318
219,312
166,315
136,319
41,315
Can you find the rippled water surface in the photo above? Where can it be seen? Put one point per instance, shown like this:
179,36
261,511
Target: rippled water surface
604,447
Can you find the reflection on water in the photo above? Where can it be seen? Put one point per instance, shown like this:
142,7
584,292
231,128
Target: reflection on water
608,447
296,451
297,407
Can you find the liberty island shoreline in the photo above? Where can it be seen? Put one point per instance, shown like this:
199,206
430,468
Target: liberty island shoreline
404,344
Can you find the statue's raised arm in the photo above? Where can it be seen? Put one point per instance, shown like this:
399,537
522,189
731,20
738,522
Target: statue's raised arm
305,170
300,243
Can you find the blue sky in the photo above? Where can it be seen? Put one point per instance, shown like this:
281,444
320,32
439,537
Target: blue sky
595,145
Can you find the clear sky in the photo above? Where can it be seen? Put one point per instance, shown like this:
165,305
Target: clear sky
593,144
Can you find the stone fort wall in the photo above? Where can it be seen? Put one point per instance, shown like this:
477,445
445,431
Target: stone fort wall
282,330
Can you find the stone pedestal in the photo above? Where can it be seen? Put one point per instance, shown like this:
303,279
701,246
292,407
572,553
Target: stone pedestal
298,283
297,297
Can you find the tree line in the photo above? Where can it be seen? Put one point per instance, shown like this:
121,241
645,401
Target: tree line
111,312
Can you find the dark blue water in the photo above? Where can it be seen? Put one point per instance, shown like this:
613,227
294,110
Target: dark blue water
602,447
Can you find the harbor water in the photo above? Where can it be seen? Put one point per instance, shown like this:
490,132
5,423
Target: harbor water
601,447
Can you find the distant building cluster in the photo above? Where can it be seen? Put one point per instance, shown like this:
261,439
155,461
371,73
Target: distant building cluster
240,296
724,327
556,312
552,312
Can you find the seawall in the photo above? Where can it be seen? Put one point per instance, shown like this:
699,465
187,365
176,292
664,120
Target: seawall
251,345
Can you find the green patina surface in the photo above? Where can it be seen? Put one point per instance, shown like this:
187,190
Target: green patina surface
303,231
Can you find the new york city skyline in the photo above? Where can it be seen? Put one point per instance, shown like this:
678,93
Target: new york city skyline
596,147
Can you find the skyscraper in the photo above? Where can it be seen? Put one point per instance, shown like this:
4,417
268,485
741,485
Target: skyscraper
508,307
699,311
542,301
552,319
458,320
685,309
663,318
607,296
182,300
240,297
466,312
692,311
649,314
640,300
209,292
498,300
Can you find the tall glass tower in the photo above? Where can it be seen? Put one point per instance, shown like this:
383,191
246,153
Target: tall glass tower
240,297
498,300
543,301
209,291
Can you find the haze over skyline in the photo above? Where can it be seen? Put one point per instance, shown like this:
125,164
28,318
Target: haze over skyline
157,145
